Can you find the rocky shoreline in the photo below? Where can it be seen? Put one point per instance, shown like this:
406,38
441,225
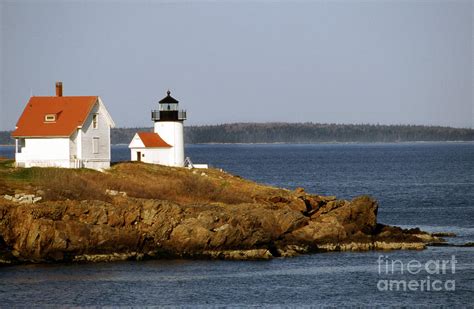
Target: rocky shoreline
285,224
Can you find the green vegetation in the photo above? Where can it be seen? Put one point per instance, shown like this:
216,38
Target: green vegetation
300,133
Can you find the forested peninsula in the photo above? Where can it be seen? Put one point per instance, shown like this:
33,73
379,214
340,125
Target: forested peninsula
299,133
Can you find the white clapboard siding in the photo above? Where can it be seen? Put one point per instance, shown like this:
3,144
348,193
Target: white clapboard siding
88,135
163,156
44,152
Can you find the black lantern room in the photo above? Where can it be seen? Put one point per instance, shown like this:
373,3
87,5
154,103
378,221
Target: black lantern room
168,110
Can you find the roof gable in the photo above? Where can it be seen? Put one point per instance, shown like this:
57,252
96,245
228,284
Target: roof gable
103,109
69,113
149,140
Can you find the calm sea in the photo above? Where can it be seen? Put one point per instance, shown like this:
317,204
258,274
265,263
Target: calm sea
429,185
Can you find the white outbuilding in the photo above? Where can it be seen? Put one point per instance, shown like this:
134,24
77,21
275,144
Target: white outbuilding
165,145
149,147
63,131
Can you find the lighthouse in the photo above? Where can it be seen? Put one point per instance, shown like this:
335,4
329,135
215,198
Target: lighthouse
169,123
165,145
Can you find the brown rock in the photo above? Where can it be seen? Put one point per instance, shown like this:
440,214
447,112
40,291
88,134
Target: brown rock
300,191
131,228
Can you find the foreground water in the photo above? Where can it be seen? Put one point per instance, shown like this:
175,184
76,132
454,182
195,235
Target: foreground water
430,185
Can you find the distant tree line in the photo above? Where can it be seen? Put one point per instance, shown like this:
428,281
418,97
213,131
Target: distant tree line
299,133
5,138
321,133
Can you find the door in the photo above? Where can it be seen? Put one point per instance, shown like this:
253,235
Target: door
139,156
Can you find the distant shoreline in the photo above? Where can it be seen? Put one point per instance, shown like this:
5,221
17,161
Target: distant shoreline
327,143
315,143
298,133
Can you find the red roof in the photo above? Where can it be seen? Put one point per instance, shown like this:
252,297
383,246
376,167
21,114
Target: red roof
152,140
70,112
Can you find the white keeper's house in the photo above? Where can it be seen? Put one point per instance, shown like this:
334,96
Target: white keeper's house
64,131
165,145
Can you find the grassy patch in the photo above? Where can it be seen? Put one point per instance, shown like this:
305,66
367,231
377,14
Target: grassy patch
22,174
5,164
137,180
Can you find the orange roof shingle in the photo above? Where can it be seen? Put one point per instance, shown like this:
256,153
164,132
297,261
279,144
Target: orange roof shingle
153,140
71,112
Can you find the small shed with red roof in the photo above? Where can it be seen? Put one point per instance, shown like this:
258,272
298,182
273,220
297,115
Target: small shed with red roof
63,131
149,147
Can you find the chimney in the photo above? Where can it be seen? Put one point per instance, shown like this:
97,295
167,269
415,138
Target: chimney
59,89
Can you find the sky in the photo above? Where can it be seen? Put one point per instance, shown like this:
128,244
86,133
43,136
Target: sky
386,62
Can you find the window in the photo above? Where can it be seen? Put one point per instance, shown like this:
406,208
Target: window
95,121
20,144
95,145
50,118
169,107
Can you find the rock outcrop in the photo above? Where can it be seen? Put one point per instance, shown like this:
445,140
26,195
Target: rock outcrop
139,211
136,228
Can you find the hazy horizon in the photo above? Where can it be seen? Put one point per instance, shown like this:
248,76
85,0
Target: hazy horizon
345,62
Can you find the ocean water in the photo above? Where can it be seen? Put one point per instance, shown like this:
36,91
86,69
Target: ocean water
429,185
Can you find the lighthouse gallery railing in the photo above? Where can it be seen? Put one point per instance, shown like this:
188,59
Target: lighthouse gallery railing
155,115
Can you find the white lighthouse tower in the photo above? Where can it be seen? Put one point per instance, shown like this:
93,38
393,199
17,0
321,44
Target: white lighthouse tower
165,145
169,126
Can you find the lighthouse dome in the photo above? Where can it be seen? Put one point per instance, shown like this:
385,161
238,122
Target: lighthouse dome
168,99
